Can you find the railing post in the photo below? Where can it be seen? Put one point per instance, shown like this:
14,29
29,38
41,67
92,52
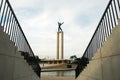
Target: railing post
3,12
1,5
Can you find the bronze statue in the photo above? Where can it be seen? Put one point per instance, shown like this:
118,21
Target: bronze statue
59,26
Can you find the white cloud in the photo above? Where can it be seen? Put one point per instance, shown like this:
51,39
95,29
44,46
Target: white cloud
39,22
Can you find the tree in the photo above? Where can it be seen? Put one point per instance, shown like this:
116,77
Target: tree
73,57
38,59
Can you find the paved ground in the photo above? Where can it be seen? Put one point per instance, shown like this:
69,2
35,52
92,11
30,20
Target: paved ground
57,78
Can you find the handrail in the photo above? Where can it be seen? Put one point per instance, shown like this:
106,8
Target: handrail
108,21
11,26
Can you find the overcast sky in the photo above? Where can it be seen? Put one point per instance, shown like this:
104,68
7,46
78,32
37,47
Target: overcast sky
39,18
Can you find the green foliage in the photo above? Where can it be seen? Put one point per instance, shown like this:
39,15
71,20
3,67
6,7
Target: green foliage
73,57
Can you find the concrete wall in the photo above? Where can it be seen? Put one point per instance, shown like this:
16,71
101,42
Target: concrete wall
12,64
105,65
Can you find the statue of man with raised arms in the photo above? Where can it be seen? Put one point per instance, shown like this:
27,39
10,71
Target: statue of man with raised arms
59,26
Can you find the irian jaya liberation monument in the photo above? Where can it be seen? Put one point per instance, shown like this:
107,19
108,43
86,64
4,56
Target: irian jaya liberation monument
60,43
59,48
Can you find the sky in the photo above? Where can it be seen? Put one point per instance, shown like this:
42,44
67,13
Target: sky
39,21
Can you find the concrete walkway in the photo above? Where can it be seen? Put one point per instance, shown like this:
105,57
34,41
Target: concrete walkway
57,78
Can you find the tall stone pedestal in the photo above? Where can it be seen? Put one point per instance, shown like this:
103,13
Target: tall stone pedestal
60,45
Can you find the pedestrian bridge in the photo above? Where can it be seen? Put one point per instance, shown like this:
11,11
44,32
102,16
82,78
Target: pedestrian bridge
100,61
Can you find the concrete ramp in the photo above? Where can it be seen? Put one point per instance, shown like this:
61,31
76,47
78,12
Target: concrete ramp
105,65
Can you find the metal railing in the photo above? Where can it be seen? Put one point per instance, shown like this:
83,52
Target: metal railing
108,21
11,26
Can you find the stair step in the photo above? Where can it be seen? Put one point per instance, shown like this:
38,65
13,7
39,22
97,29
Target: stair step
6,45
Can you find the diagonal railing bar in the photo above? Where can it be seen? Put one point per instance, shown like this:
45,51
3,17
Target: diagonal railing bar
11,26
108,21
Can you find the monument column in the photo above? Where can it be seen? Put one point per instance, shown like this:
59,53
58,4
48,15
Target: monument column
57,52
62,45
60,42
